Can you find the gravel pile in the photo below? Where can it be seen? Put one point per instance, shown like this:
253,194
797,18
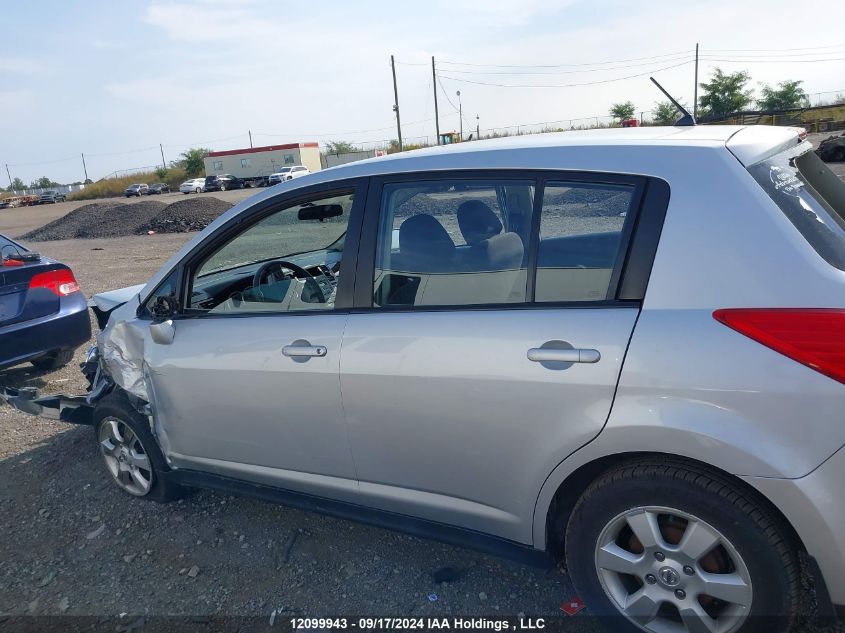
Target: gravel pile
116,219
190,214
98,220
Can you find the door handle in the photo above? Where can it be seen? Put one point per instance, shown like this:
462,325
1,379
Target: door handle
292,351
551,355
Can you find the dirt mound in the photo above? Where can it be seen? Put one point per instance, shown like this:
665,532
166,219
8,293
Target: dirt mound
190,214
98,220
116,219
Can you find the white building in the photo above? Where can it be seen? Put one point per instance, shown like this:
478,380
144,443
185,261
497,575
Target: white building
262,161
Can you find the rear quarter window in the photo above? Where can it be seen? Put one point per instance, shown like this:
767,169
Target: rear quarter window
810,195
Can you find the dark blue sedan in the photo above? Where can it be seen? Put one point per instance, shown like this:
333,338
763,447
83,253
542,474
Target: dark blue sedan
43,314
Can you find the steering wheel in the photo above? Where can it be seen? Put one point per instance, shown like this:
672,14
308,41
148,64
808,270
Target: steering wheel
298,272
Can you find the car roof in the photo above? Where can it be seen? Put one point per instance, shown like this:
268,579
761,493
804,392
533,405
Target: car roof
520,150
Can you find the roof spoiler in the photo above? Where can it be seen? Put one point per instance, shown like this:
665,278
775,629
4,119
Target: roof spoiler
685,121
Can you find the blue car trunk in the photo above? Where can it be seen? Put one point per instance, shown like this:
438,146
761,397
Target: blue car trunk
19,302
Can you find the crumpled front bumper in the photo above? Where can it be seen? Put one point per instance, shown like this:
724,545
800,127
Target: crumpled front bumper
65,408
73,409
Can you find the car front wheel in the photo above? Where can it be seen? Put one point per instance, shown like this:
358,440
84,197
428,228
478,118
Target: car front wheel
130,453
674,547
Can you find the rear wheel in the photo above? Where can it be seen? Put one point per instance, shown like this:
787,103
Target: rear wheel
674,547
54,360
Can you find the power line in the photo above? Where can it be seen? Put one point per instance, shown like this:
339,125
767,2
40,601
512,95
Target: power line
560,72
773,50
770,61
615,61
586,83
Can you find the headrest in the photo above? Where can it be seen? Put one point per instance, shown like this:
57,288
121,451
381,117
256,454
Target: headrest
422,235
477,221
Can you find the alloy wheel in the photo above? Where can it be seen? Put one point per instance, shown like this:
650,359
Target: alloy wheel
125,457
668,571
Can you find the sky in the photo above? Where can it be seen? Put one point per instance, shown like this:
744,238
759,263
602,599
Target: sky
113,80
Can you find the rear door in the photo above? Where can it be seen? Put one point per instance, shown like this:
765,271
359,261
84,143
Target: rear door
487,339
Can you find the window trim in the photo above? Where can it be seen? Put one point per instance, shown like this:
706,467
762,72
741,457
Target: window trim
252,215
368,244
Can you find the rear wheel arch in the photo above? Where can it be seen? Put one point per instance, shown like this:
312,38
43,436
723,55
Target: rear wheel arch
576,483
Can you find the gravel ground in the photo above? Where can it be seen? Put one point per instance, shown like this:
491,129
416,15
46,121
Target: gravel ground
72,543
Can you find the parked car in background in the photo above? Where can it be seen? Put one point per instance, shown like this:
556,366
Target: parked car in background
43,314
288,173
51,197
136,190
624,348
194,185
159,188
222,183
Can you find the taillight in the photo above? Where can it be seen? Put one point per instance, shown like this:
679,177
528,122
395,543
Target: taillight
60,282
813,337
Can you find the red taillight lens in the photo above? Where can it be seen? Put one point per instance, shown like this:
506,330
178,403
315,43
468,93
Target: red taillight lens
60,282
812,337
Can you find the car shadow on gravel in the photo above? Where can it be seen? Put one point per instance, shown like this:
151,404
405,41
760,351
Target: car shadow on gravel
72,543
24,376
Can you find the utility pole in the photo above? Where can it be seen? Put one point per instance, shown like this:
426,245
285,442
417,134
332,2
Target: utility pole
84,168
477,129
695,88
250,137
436,114
396,103
9,175
163,164
461,115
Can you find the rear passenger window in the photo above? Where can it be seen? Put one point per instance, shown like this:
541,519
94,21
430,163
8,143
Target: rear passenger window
453,242
580,237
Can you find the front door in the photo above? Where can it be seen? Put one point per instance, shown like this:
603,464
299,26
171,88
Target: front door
471,376
248,386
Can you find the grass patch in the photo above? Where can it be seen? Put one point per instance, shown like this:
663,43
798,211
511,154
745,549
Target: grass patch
111,187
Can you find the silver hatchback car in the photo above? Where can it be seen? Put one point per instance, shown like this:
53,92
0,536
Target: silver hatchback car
622,349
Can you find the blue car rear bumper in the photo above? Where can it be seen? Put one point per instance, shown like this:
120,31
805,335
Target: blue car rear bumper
66,329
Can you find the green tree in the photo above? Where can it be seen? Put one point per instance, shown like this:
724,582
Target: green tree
17,185
340,147
787,96
192,161
665,113
161,172
43,183
623,111
725,94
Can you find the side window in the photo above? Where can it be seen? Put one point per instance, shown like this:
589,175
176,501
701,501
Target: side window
217,165
290,260
453,242
246,162
580,236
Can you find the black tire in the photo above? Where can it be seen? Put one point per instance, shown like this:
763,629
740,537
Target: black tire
117,406
54,360
198,190
761,539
